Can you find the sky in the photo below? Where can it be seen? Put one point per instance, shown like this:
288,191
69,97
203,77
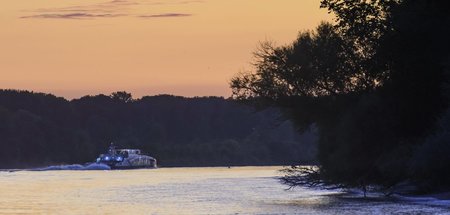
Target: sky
73,48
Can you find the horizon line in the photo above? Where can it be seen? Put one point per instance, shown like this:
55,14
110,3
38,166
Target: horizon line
108,95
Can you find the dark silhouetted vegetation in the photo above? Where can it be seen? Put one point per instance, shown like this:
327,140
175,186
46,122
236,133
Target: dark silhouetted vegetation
40,129
375,84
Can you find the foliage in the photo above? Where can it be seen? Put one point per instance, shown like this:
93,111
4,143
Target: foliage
430,161
39,129
316,64
373,84
122,96
308,176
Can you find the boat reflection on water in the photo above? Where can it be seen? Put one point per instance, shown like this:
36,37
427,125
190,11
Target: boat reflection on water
126,159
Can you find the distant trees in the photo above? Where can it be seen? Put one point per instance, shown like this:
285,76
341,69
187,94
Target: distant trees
40,129
122,96
373,83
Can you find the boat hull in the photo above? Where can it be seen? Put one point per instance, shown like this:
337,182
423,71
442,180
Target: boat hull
132,167
133,162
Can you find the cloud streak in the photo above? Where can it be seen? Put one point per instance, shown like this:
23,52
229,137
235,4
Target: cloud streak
165,15
107,9
71,16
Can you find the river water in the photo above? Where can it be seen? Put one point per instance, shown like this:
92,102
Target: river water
238,190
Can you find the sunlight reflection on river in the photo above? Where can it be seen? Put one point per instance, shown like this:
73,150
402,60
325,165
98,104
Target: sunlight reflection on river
239,190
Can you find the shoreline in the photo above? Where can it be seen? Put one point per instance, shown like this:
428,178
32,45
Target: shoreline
444,195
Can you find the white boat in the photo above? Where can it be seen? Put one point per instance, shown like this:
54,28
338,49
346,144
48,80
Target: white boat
126,159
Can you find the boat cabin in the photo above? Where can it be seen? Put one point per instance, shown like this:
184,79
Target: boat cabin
129,151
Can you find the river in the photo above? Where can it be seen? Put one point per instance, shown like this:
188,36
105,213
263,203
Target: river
236,190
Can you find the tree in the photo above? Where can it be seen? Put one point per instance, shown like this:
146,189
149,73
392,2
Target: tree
372,83
38,129
320,63
122,96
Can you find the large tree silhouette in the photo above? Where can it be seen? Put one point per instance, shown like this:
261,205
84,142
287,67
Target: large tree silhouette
373,84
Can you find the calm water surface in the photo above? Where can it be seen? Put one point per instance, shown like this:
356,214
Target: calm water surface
240,190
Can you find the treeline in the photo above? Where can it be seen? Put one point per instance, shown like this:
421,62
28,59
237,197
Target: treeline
41,129
376,85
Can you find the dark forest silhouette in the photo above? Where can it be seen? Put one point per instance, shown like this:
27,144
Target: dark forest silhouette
376,86
39,129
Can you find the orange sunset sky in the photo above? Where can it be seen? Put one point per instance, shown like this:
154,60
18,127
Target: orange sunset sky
72,48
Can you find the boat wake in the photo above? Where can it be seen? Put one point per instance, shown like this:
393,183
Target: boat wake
92,166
